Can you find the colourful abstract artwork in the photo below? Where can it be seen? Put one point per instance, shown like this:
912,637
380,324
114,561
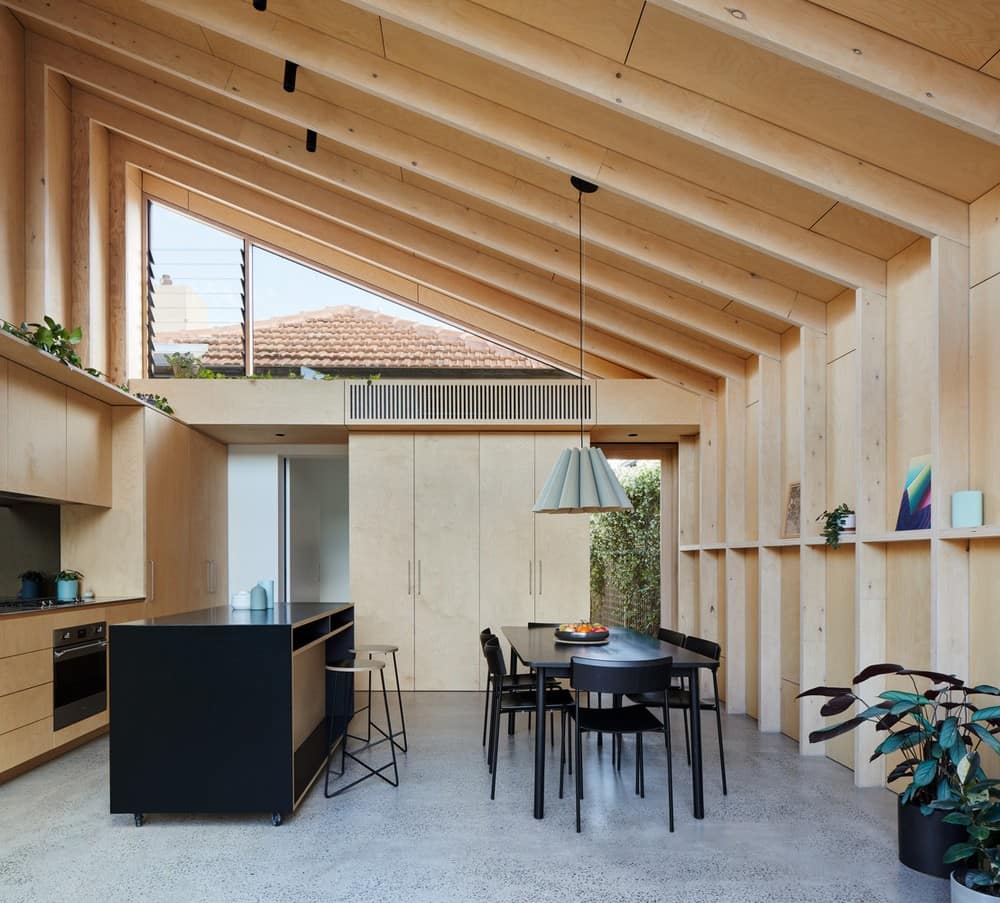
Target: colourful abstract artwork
915,505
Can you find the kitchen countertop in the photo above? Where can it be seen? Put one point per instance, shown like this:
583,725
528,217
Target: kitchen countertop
68,606
286,615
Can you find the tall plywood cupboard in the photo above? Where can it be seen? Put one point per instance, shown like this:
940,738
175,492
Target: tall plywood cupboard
462,549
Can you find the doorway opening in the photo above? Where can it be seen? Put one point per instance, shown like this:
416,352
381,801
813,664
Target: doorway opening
626,549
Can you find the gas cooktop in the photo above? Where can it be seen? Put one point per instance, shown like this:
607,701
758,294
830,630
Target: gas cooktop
37,604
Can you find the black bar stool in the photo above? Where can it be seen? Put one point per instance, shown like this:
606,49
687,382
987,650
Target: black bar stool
352,667
370,650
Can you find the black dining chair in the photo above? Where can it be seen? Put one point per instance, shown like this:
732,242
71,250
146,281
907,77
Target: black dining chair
515,701
674,637
681,698
621,679
525,682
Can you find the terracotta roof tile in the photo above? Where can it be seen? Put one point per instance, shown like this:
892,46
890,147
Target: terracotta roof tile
351,337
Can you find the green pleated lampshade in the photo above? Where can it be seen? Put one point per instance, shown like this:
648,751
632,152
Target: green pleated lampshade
582,481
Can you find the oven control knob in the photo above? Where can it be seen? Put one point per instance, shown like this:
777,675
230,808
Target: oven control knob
68,635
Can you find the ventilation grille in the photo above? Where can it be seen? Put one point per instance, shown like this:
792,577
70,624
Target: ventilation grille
470,402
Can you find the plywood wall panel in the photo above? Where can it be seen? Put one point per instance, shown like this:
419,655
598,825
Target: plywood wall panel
12,169
751,494
840,621
909,374
841,325
59,217
789,642
791,411
842,432
753,632
984,398
984,624
984,237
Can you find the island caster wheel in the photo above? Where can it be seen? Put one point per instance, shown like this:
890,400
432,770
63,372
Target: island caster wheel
139,819
276,819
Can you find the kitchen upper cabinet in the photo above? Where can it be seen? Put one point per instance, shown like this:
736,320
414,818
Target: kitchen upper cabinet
168,505
506,533
36,434
446,548
207,541
88,450
3,419
380,475
562,545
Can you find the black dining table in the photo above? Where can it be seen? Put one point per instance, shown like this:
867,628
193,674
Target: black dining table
538,648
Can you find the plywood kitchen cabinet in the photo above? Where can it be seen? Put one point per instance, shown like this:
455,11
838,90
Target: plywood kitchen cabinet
446,550
562,545
168,501
462,549
57,444
88,450
381,529
506,534
207,544
36,434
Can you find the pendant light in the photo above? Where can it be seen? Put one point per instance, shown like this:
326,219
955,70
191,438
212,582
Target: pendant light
582,481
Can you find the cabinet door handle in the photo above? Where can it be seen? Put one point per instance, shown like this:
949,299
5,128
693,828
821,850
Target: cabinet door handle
208,575
409,577
531,577
539,576
152,580
419,581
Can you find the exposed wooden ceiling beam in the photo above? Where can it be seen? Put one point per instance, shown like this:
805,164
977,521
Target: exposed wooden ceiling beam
641,245
441,257
568,66
415,202
613,168
861,56
613,318
450,294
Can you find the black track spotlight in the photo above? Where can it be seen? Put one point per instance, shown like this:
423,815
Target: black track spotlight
260,5
291,69
310,141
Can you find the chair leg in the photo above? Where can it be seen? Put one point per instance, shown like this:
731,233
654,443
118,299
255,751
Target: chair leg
402,717
562,750
496,747
494,740
388,724
552,731
579,771
368,735
600,737
670,768
642,766
486,705
687,738
718,724
637,754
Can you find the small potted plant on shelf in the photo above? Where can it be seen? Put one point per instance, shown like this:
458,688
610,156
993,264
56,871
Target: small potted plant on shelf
840,520
933,728
68,585
184,365
32,583
975,806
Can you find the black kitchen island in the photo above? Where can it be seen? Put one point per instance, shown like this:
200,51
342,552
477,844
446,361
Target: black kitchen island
216,711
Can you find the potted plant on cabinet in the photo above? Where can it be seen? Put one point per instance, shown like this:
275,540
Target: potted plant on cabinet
840,520
68,585
976,807
32,583
933,729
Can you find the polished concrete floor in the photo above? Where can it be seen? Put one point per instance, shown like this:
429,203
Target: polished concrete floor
792,830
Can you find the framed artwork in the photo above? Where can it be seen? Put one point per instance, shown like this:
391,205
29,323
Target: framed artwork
793,512
915,505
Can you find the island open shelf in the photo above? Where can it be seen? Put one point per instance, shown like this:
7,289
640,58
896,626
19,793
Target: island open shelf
217,711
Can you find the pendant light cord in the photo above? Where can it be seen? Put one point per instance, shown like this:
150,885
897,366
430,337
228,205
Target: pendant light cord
579,204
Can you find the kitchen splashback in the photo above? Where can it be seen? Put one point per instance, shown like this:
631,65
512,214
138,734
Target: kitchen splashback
29,540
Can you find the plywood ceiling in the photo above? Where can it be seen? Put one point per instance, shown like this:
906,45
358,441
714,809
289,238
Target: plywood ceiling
745,182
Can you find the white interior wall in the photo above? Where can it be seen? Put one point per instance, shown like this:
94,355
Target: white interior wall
255,514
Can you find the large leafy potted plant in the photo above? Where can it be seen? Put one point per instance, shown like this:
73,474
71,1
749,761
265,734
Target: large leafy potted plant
934,729
32,583
68,585
974,806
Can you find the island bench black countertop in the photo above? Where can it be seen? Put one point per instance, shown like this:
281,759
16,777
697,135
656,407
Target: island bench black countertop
289,614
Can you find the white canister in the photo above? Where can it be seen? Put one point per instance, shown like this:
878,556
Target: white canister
241,601
848,523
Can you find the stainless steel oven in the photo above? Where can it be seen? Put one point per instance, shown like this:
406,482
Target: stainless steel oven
79,673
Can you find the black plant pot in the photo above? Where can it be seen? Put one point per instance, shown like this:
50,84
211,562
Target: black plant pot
923,840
